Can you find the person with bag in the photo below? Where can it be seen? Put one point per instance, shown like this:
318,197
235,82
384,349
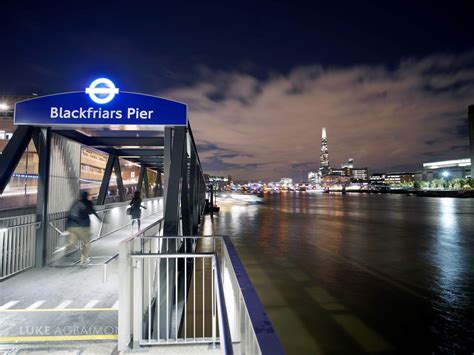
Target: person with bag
78,225
135,209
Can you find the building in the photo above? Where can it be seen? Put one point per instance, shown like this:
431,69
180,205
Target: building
360,174
348,165
219,182
332,179
286,181
313,177
401,178
324,168
454,169
377,178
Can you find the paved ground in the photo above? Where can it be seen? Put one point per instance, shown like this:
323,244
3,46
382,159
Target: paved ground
102,347
65,302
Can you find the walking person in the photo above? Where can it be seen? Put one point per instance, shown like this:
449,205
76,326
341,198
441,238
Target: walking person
78,225
136,208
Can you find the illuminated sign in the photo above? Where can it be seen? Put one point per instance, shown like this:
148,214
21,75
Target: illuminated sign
100,105
109,91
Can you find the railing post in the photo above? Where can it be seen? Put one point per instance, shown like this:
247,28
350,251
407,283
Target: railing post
125,292
2,250
137,315
213,306
44,155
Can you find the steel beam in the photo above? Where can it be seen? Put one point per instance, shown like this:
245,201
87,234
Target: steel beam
185,207
12,153
173,198
158,185
175,146
167,159
104,186
127,141
192,192
141,177
118,174
44,154
139,152
146,184
117,141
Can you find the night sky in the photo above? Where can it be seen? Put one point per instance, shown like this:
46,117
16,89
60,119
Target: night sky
391,84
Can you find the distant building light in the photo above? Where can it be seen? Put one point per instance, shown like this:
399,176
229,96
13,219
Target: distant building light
447,164
3,106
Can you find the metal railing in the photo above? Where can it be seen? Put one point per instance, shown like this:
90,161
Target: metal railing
185,290
183,314
17,244
18,235
112,219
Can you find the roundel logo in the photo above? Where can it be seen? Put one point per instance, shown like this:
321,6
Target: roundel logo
102,90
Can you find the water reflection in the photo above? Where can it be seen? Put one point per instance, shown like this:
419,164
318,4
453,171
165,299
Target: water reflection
399,266
451,256
448,254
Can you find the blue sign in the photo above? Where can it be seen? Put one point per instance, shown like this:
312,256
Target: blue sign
101,104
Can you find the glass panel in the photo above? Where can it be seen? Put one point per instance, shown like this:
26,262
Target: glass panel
130,175
21,190
93,164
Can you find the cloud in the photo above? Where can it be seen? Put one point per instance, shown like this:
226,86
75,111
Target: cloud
383,118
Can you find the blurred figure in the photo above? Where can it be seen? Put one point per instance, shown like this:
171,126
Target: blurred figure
78,224
136,208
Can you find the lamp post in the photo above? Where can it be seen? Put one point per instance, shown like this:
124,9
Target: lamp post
446,177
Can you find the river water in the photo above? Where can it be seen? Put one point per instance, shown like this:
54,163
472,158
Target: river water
360,273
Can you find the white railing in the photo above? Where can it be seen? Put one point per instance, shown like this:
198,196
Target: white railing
18,234
113,218
185,290
174,296
17,244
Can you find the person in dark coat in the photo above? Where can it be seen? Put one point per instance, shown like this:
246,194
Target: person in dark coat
78,225
136,208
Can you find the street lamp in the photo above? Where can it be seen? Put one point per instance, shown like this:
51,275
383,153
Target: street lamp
3,106
445,174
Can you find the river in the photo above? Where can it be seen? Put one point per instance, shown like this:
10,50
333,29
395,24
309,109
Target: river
359,273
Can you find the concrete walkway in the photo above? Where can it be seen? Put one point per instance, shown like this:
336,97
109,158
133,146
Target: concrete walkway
65,302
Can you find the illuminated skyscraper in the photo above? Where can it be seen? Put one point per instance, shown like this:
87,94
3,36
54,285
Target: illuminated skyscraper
324,167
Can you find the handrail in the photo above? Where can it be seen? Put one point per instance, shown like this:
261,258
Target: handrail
266,337
20,225
169,256
118,204
224,331
106,234
138,233
21,215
